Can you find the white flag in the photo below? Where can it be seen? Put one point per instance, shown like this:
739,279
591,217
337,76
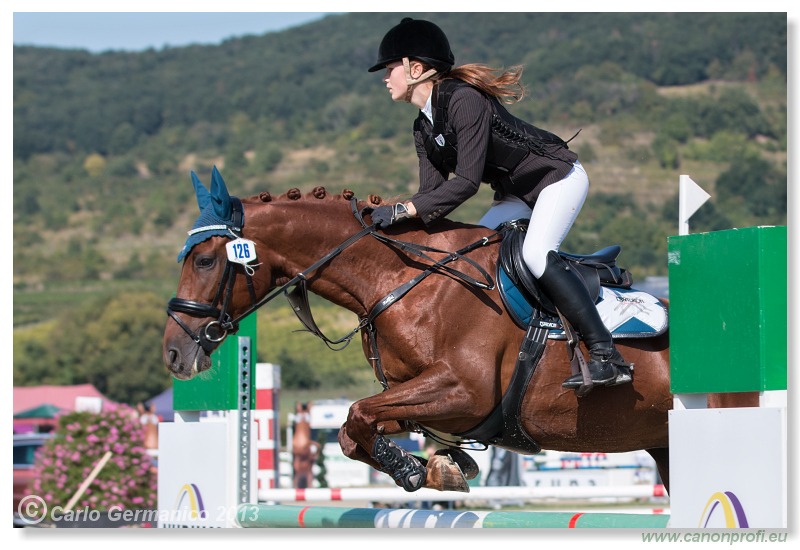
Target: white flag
690,198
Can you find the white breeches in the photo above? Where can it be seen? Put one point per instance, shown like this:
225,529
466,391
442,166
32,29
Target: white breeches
552,216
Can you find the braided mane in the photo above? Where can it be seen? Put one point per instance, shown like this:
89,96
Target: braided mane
318,193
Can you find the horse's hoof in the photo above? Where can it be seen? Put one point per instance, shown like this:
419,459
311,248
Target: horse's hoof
467,464
444,474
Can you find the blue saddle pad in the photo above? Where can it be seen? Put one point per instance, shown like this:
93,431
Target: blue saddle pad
626,312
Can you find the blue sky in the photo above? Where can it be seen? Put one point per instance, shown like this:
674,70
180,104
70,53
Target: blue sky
134,31
90,26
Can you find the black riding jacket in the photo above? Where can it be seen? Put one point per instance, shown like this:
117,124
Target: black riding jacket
477,140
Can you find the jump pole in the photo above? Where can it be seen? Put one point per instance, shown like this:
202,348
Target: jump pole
396,494
728,334
371,518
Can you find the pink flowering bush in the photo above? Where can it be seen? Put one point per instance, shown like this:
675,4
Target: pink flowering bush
128,480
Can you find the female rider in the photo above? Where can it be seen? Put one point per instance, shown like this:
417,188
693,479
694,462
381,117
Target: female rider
464,130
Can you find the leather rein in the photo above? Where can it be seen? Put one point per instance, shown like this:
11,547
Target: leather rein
296,289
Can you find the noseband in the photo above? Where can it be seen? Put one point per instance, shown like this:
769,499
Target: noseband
214,332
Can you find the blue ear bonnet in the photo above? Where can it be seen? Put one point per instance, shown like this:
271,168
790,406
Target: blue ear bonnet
216,213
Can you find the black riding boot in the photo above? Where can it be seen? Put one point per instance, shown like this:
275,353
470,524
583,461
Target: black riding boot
570,297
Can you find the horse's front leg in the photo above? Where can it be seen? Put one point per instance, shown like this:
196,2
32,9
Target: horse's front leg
433,396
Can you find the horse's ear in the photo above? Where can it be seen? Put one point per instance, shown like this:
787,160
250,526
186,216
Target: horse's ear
203,196
219,195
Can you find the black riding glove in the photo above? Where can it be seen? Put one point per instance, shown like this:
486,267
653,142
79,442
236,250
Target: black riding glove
384,216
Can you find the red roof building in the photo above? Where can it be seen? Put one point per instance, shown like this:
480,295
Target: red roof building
64,398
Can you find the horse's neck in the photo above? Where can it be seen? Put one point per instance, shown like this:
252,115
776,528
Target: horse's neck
302,428
302,434
302,232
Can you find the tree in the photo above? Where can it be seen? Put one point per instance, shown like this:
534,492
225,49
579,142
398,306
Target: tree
113,343
666,151
644,244
758,183
123,138
677,127
94,164
267,157
296,373
122,347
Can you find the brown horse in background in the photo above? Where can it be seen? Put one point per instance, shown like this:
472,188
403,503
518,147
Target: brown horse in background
304,449
447,349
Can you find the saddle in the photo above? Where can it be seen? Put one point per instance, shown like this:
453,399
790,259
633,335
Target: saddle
517,282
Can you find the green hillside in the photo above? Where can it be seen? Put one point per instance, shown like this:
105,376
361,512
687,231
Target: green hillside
103,146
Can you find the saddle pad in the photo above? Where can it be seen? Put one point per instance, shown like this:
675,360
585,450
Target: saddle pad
629,313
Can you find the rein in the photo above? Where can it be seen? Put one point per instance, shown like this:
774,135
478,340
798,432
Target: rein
298,297
224,323
216,331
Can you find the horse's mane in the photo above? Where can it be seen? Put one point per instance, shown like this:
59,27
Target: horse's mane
318,193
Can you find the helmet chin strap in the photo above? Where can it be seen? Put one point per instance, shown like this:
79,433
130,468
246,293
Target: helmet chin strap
412,82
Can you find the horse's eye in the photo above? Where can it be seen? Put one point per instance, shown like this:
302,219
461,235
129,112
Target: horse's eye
204,262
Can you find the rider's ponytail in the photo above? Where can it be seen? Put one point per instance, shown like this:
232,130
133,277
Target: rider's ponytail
504,84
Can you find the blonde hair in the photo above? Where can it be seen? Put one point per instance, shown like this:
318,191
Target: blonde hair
504,84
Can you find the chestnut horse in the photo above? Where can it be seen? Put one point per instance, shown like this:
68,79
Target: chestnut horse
447,349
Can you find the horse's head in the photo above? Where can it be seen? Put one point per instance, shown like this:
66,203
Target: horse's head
239,256
302,413
216,282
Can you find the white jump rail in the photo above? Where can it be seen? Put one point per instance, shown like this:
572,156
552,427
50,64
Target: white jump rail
396,494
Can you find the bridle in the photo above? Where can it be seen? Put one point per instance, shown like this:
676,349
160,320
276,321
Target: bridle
214,332
210,335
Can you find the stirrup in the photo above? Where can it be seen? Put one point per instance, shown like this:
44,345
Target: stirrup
598,376
621,372
623,368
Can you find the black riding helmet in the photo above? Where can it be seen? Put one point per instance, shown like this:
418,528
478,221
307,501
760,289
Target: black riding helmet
415,39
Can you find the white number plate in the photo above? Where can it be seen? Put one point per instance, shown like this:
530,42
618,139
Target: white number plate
241,251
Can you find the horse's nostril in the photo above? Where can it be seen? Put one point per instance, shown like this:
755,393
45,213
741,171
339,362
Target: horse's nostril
174,358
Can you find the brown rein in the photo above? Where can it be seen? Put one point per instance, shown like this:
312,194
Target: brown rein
296,292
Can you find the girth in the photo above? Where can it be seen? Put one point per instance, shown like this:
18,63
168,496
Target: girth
503,426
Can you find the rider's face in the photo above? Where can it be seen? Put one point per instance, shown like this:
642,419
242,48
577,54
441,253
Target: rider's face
395,79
